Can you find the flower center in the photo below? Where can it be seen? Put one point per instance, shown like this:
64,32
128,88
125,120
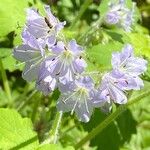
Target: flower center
82,93
67,57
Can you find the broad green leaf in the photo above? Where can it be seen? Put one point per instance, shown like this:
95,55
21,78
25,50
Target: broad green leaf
141,43
54,147
16,133
12,14
5,52
140,112
8,60
115,134
100,55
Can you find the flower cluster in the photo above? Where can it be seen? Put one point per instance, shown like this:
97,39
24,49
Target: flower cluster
119,14
125,76
54,63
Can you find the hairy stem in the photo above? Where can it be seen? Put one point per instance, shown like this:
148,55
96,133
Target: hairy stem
5,83
109,119
55,128
81,12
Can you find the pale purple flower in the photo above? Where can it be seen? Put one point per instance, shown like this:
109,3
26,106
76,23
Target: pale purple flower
30,53
125,62
45,82
125,81
119,14
123,77
81,99
43,26
111,90
66,60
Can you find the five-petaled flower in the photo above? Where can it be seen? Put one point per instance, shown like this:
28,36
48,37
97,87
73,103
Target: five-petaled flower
81,98
66,60
123,77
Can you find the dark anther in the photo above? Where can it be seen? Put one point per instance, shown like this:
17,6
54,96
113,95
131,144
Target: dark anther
57,73
48,23
65,48
55,44
53,59
80,57
126,81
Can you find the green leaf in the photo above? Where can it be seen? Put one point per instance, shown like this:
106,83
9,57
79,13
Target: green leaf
8,60
100,55
12,14
54,147
16,132
141,43
103,8
116,134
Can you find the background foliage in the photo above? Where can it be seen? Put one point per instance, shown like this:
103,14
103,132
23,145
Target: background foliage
26,116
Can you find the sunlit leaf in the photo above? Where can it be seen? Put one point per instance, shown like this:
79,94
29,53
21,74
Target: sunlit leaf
16,132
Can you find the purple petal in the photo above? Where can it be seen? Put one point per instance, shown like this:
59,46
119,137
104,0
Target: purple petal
74,47
30,72
112,18
80,65
60,47
25,53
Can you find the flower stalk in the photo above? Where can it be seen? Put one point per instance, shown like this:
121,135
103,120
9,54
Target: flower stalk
5,83
55,128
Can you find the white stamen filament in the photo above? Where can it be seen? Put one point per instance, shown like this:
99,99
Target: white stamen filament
86,105
69,97
32,66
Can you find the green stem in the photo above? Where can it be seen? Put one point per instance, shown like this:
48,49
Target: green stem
81,12
56,126
91,30
109,119
5,83
25,102
35,109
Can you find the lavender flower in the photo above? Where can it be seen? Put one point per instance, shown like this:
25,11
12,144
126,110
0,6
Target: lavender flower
123,77
119,14
81,99
45,82
30,53
110,91
43,27
126,63
66,60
